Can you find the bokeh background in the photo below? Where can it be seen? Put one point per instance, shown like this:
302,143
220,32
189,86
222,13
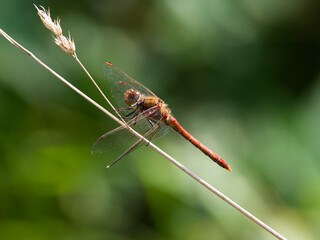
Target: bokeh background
242,76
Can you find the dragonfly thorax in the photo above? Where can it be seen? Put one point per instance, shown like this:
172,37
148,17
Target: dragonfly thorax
132,97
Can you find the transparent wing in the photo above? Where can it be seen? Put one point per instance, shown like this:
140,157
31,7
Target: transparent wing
121,82
121,137
116,138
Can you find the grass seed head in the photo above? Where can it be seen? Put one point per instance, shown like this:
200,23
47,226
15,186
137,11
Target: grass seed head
53,26
66,44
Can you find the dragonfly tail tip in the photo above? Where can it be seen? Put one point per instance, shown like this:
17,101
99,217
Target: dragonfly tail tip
227,167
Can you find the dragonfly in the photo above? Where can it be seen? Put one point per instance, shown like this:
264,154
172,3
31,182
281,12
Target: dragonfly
145,112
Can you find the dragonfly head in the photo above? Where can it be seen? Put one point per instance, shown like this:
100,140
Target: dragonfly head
132,97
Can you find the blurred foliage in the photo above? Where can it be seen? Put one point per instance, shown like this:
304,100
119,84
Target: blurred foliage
241,76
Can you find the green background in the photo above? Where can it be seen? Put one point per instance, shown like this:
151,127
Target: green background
241,76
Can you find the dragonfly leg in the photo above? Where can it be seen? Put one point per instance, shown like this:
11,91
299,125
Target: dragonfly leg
127,116
151,122
135,116
157,130
146,114
126,109
156,126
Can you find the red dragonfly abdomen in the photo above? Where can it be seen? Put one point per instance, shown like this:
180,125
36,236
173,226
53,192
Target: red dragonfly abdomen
172,122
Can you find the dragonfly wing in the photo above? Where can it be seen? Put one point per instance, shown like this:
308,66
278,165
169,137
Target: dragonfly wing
120,136
111,140
138,143
121,82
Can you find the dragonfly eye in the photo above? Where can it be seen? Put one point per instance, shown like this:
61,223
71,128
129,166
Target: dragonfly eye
131,97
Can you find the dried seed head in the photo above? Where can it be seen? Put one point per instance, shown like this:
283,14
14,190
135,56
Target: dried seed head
53,26
66,44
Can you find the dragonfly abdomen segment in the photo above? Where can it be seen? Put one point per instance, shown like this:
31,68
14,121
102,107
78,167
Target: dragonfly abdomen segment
172,122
